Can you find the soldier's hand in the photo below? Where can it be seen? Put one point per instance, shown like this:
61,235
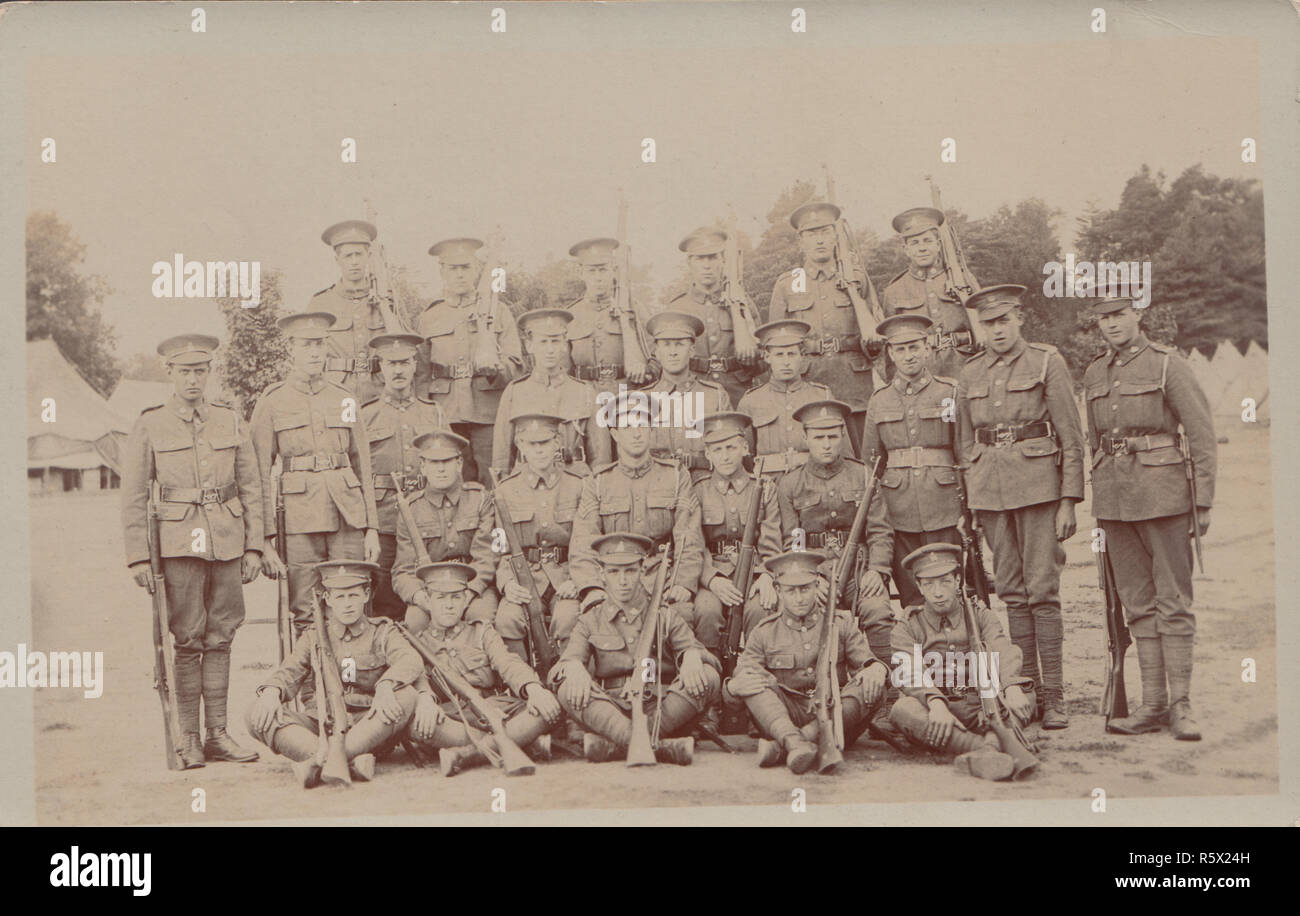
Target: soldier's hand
517,594
692,674
1204,516
940,725
272,566
726,592
251,566
872,584
386,704
142,573
1065,523
765,590
372,545
567,590
678,594
264,710
873,682
428,716
543,703
1018,703
575,689
637,378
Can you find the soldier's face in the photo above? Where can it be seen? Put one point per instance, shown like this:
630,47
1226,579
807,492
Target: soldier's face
726,456
922,250
1118,327
352,259
548,349
786,362
441,473
449,607
599,280
398,374
632,441
538,454
346,605
824,444
674,354
621,580
459,278
309,354
940,592
817,245
797,600
705,269
910,357
1003,332
190,381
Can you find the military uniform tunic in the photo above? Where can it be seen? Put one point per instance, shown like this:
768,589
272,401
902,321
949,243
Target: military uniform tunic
596,341
922,293
778,435
724,503
454,525
348,361
474,650
1136,401
670,440
714,358
583,441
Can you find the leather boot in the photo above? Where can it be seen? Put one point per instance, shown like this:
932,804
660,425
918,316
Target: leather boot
800,753
598,749
191,751
1153,714
540,749
362,767
770,753
220,746
986,762
676,750
1178,665
307,773
454,759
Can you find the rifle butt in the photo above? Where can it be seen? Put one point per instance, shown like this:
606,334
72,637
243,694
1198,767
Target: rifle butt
1023,762
829,755
513,759
335,769
640,752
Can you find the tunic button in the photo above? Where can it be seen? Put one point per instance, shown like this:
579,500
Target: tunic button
1114,407
1116,384
997,403
807,645
998,382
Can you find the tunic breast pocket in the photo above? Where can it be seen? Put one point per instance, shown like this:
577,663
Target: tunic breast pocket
367,668
806,502
292,429
174,461
1024,398
612,510
474,660
979,404
376,435
659,508
340,428
779,661
713,513
1141,407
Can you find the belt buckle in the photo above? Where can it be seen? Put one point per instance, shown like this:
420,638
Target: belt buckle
322,463
461,369
942,341
729,551
606,373
1118,446
1005,436
830,343
717,363
412,482
548,555
834,540
209,495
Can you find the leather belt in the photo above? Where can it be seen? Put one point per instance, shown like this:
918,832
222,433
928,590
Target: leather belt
570,455
833,343
780,462
918,456
199,496
318,462
954,340
556,554
1004,435
457,370
410,482
599,373
728,548
1121,445
835,537
366,364
691,461
715,364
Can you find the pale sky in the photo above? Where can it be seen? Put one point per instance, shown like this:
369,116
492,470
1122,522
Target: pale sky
230,158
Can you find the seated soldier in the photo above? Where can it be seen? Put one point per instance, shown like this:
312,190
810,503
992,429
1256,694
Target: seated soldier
594,674
473,649
455,519
776,676
380,696
541,497
947,717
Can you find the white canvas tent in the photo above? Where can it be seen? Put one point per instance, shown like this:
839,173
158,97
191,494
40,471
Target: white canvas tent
1229,378
131,396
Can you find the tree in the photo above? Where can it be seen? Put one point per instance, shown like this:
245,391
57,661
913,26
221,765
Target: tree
64,304
255,354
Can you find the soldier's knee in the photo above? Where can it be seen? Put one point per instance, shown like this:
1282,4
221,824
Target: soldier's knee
510,621
707,606
564,614
909,715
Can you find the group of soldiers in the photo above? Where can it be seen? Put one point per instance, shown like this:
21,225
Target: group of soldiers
399,456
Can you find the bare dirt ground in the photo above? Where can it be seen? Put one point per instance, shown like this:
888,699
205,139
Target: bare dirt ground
101,761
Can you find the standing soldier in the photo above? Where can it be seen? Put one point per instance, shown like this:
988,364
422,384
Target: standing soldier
810,293
777,674
549,389
1022,443
919,290
202,459
674,334
771,406
597,663
715,357
821,498
912,423
596,333
312,426
357,315
1138,394
393,421
725,497
542,498
464,380
650,496
455,520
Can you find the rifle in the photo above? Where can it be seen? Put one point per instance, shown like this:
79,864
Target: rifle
507,754
1189,465
635,358
542,650
283,613
826,692
743,573
992,711
852,277
959,282
743,326
641,748
487,351
972,548
381,283
1114,698
164,660
331,710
